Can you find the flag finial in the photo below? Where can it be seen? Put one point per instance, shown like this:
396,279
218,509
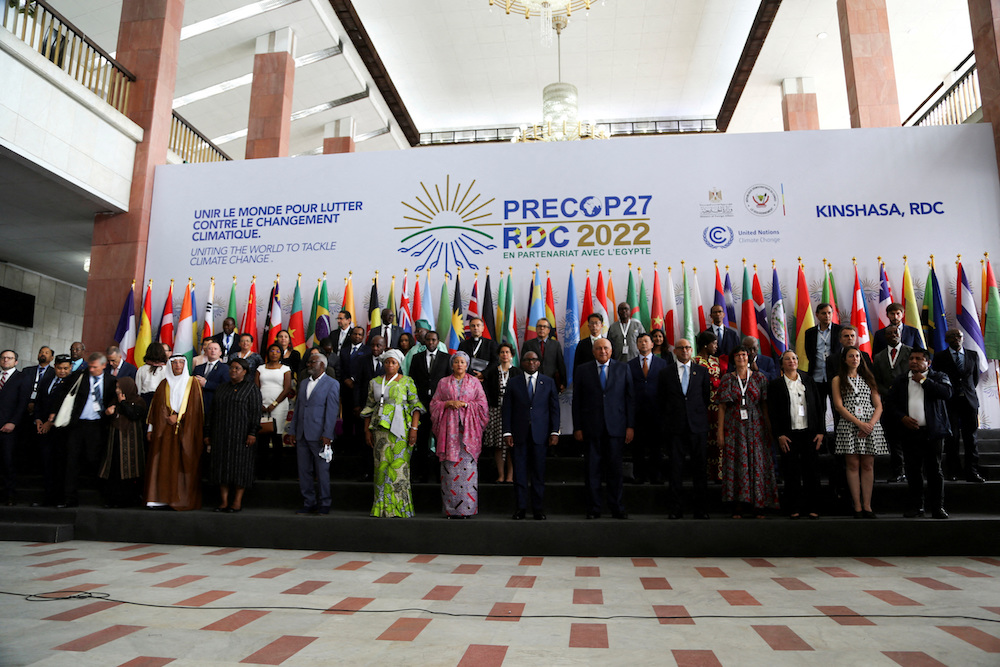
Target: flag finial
772,263
744,261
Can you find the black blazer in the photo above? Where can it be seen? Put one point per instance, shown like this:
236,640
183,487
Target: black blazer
219,376
220,338
584,352
337,334
553,363
778,406
491,384
488,352
394,333
907,336
349,362
679,409
366,373
963,380
646,387
811,334
536,418
937,390
108,396
14,397
611,410
885,373
425,381
31,372
730,340
49,397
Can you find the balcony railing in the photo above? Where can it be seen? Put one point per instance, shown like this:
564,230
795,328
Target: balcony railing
191,145
954,104
604,128
45,30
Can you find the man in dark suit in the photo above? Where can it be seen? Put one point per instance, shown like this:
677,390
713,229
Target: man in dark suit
822,342
351,355
368,368
51,441
758,363
313,423
87,431
848,338
888,366
39,375
728,339
530,425
647,448
426,368
482,352
604,420
549,352
15,388
585,348
117,365
211,375
907,334
341,336
388,331
228,339
918,401
683,397
962,368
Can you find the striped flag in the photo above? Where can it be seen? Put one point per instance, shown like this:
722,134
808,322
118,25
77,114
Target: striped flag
748,315
296,323
195,341
166,333
390,301
720,295
779,328
443,323
991,330
405,314
911,309
698,308
185,335
687,321
249,324
830,291
231,310
803,318
489,312
472,310
730,302
611,303
601,302
348,300
426,317
657,319
671,321
536,311
968,319
763,334
884,296
274,314
510,317
324,325
209,324
571,330
932,313
126,332
859,317
632,298
374,307
644,315
145,336
550,305
456,325
587,309
501,321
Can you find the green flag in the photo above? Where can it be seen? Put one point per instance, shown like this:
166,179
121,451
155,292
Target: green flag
501,323
688,321
444,312
311,330
992,337
232,305
632,298
644,315
510,318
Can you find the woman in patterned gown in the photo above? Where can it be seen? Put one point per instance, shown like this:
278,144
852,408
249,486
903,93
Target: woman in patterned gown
859,433
708,346
747,468
459,413
392,416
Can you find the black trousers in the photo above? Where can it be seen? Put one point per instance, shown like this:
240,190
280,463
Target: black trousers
52,451
800,465
685,443
965,422
894,438
647,450
604,452
923,457
84,445
424,466
8,456
529,463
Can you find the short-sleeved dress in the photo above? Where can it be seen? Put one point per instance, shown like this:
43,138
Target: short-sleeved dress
859,403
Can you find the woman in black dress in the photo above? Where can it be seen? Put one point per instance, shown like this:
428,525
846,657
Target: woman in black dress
232,434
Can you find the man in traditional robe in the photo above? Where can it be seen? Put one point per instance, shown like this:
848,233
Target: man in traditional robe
176,430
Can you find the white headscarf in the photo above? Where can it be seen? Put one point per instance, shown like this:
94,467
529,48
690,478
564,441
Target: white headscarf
392,354
177,383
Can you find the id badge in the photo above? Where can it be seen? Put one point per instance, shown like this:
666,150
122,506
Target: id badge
744,414
802,411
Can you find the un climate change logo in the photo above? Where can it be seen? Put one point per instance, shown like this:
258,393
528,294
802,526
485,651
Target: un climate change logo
447,234
719,236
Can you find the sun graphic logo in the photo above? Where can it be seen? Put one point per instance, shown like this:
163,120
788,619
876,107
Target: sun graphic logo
447,235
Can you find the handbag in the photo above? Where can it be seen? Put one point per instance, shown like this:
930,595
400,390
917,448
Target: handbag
65,413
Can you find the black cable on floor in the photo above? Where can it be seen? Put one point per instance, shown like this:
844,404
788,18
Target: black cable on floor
98,595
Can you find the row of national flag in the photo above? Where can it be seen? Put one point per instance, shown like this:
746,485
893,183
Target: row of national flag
656,308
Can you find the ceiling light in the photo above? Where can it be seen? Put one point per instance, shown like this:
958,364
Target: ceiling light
545,10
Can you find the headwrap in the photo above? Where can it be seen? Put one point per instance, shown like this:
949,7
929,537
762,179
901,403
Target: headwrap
392,354
177,384
464,355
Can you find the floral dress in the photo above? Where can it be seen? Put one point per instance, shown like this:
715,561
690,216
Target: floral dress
714,452
747,468
391,406
459,442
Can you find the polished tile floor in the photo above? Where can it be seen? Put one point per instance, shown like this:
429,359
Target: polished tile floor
210,606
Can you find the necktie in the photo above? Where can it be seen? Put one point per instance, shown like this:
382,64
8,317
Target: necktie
114,371
54,384
892,355
684,379
430,360
96,392
531,388
541,349
958,358
604,377
645,367
355,349
211,367
3,379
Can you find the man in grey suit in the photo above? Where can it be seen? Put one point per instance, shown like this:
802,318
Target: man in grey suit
313,422
623,333
890,364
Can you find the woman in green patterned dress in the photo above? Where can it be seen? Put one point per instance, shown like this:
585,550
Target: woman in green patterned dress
392,415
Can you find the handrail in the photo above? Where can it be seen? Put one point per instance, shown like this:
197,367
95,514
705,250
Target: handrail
957,103
47,31
191,145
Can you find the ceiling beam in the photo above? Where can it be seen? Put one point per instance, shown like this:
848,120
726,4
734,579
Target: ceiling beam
755,42
349,19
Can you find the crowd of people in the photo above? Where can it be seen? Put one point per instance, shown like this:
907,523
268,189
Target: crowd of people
734,416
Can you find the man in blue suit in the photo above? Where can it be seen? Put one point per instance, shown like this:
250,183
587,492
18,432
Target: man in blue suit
683,407
604,420
530,424
647,449
118,366
728,339
764,365
313,421
894,312
211,375
351,355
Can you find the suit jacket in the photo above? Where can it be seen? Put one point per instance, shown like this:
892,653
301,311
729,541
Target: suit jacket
49,397
534,419
220,338
611,410
315,416
14,397
219,376
767,366
128,370
678,408
646,387
623,347
885,373
394,333
349,361
812,334
427,381
108,396
937,390
584,352
963,380
730,340
779,410
907,336
339,333
488,351
553,363
31,372
366,372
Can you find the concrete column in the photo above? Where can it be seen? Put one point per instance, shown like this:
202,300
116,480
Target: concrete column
798,104
270,121
984,15
871,76
338,136
148,41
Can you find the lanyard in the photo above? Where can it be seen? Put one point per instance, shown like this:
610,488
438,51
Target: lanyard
381,399
743,385
625,328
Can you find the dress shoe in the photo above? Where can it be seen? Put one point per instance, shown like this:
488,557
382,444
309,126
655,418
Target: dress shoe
234,510
675,515
869,515
975,478
900,477
951,477
593,515
620,515
518,515
940,513
913,514
701,515
307,509
323,510
220,509
540,516
859,515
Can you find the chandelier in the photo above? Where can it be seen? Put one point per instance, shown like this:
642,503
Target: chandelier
545,10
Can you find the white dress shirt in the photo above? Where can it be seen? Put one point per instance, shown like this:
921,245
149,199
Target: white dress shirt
915,400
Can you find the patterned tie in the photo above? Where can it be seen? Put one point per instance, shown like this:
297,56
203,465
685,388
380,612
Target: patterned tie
3,379
531,388
604,377
645,367
684,379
